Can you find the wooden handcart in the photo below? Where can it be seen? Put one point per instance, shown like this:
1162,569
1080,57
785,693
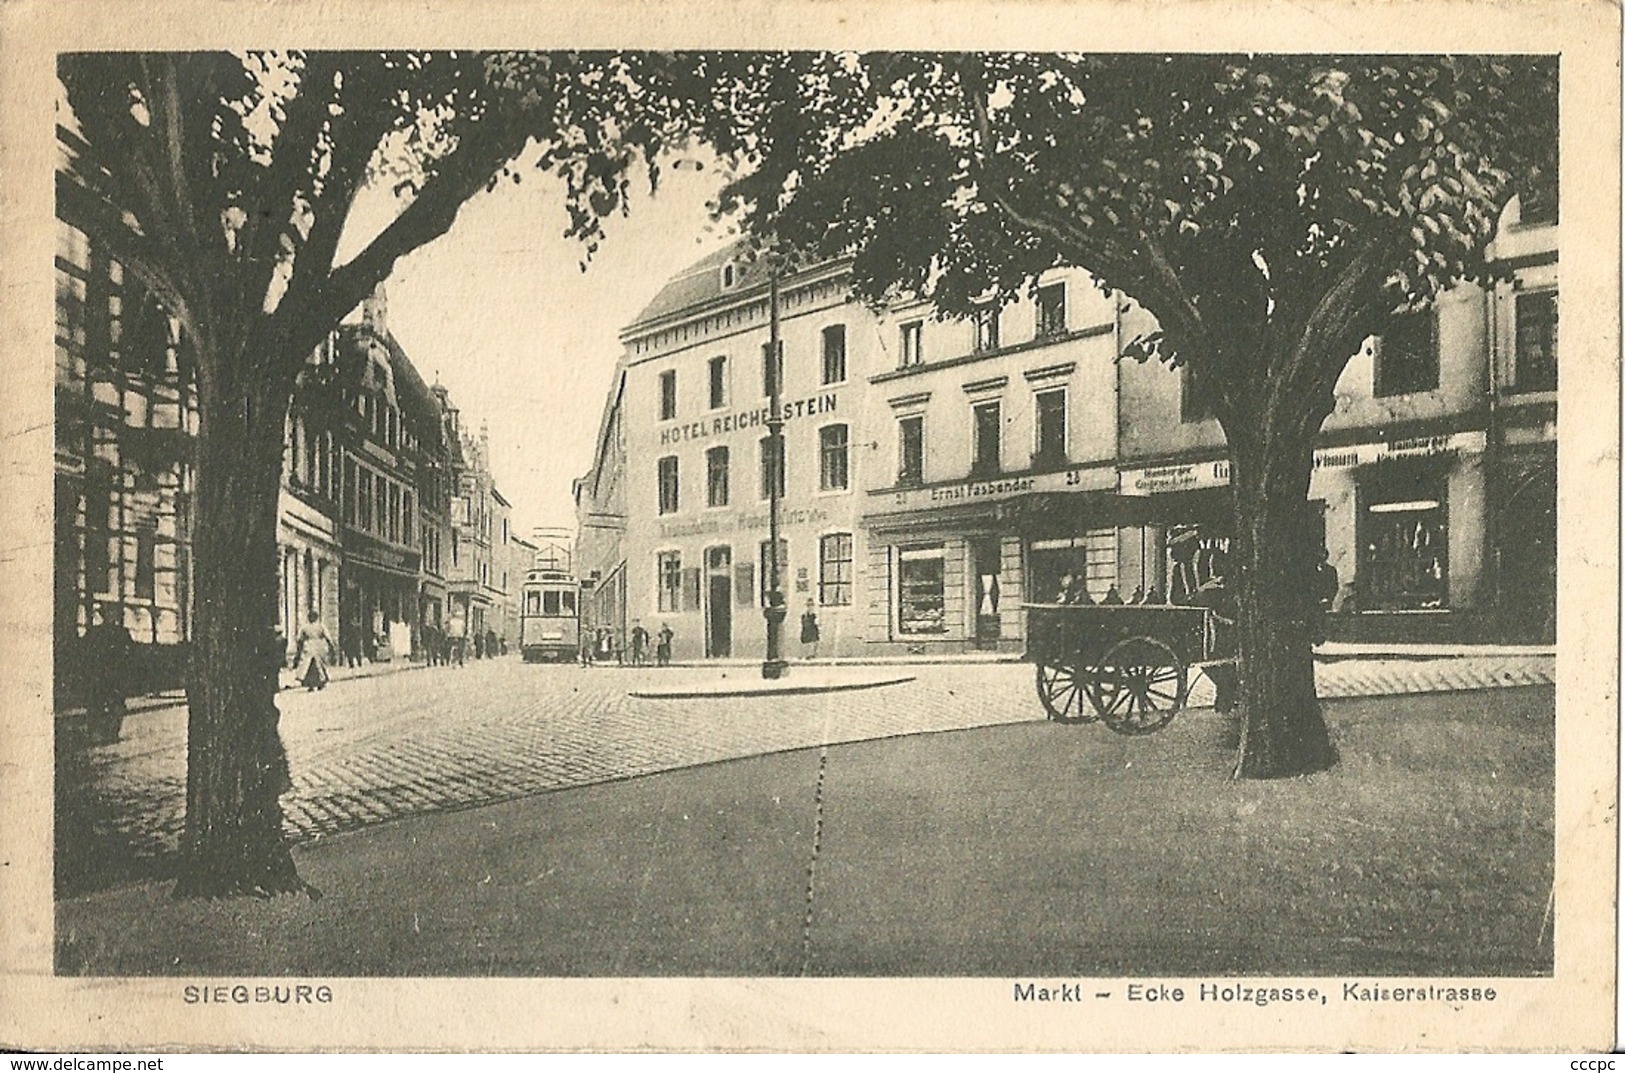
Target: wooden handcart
1128,665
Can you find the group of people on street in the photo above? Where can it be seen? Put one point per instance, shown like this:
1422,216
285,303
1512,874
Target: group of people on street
443,648
601,645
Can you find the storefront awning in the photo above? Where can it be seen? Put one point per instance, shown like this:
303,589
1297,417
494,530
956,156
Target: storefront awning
1041,515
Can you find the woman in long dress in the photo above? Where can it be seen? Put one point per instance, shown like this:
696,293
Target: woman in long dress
316,645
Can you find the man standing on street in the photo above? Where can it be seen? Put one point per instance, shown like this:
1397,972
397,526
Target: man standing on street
108,651
640,645
663,648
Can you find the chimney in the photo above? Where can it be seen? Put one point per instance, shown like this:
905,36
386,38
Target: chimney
375,310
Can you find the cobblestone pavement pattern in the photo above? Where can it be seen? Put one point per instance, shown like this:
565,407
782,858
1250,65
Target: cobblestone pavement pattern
375,749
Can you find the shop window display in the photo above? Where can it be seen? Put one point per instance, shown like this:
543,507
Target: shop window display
1404,547
920,590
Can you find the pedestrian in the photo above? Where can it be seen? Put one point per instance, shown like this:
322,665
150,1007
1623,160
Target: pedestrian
1324,589
585,647
663,646
809,632
1215,595
606,644
431,644
108,657
640,644
1113,598
315,644
350,643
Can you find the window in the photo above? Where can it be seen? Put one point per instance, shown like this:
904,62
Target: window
1404,541
1195,403
667,476
367,494
716,477
146,560
1049,419
352,493
911,450
834,354
669,575
832,458
550,603
772,369
533,603
1535,364
718,377
920,591
835,570
767,568
986,431
1052,310
668,394
1408,355
1090,559
986,320
772,469
911,350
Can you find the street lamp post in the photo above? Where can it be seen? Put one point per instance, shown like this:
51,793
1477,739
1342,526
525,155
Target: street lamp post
774,665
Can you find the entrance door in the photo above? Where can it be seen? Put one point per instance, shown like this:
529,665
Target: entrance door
985,560
719,602
1528,548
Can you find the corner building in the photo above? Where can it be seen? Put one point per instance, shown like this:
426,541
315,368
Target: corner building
997,449
694,406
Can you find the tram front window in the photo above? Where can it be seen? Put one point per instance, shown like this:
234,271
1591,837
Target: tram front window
567,604
550,604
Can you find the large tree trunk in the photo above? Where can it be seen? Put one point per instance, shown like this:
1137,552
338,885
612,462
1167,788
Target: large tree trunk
236,769
1282,730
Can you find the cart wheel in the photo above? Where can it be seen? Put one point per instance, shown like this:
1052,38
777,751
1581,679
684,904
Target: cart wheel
1141,686
1065,694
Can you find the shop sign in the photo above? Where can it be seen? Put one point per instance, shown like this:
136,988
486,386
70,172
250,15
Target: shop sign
1193,475
741,522
1180,478
722,424
1076,479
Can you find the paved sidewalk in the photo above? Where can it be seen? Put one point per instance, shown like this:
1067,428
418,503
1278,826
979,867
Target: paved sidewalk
808,681
176,698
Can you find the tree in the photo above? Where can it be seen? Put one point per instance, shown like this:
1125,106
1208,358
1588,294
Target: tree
224,183
1271,212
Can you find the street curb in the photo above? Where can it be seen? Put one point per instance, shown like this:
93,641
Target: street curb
764,690
169,701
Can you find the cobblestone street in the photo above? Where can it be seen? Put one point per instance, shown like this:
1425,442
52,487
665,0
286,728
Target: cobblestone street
431,739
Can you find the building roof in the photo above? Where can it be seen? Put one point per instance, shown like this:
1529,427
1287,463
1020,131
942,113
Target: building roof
417,402
700,282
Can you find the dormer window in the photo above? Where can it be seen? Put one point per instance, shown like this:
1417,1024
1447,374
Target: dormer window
730,275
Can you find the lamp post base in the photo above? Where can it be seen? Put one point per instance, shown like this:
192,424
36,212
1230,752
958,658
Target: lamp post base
774,666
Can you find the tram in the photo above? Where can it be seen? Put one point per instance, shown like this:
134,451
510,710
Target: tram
549,616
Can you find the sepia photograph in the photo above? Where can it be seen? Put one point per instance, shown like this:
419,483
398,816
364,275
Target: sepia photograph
803,537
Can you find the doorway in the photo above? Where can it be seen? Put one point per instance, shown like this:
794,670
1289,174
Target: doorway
985,561
719,602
